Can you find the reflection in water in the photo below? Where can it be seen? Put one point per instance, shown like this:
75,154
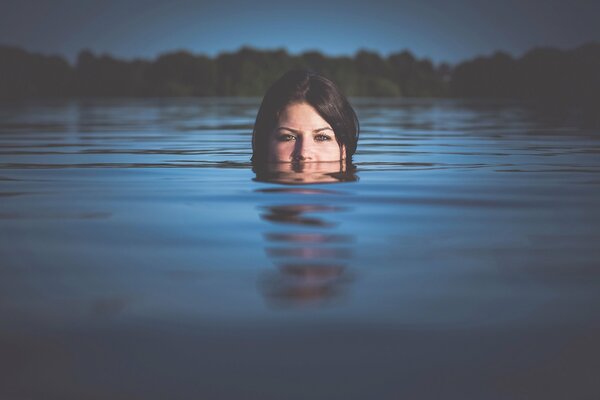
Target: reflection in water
305,173
311,266
295,213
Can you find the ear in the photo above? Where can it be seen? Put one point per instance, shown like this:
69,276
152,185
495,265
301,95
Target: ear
343,156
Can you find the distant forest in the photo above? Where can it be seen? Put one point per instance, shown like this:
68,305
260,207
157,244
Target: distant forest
542,73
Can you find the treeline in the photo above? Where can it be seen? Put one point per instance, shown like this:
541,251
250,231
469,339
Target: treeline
541,73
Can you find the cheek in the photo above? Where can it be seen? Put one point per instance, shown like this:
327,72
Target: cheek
279,149
331,150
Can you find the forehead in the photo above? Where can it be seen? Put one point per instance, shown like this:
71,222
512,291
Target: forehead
301,116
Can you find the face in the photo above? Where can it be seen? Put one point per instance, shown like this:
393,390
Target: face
302,135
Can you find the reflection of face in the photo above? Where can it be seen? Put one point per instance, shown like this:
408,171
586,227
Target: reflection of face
301,134
303,173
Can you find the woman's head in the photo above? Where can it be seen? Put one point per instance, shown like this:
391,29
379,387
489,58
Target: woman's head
304,118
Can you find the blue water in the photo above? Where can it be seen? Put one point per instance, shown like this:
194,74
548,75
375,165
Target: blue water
143,258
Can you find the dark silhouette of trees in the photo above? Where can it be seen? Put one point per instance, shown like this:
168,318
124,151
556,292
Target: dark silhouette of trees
543,73
249,72
493,76
26,75
180,74
107,76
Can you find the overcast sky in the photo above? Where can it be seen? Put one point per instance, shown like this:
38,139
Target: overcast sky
439,29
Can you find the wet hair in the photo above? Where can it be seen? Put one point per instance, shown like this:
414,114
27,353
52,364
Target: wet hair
305,86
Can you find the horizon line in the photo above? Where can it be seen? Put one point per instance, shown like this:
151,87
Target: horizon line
292,53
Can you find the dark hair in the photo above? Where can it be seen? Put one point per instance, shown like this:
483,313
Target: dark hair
302,85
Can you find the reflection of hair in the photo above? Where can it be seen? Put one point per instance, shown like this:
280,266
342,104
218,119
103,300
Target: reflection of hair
297,86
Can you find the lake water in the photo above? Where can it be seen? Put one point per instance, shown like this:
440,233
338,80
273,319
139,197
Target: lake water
142,258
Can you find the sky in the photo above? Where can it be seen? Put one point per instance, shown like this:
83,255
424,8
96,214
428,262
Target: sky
442,30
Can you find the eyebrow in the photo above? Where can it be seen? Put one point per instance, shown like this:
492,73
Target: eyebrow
296,131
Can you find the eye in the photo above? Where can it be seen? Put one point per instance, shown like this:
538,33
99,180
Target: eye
285,138
322,138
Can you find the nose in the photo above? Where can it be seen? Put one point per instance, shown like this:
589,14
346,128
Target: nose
303,151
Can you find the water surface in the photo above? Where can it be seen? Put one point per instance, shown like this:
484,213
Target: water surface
143,258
